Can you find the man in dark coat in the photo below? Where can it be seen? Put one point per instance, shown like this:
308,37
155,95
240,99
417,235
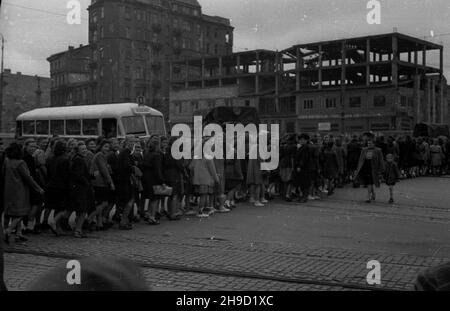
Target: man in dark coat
302,173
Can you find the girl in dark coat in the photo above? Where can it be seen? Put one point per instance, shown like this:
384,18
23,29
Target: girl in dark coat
17,185
391,175
138,158
36,199
102,183
153,176
57,187
370,167
125,189
330,164
174,171
302,178
80,186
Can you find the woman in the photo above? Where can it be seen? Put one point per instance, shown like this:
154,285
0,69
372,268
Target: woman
17,184
204,177
57,187
437,156
174,171
152,176
138,158
79,188
102,183
255,180
36,199
287,153
353,153
370,167
233,177
330,164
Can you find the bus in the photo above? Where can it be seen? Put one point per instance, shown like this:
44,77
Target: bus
83,122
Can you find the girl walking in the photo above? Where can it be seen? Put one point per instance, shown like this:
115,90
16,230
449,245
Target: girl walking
391,175
370,166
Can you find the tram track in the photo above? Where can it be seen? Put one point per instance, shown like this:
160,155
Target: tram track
328,284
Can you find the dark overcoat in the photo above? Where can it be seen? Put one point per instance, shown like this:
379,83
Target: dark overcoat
377,165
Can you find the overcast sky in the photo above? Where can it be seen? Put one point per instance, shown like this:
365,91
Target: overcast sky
34,34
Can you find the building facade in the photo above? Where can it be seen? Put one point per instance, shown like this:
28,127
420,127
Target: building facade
22,93
132,42
70,77
383,83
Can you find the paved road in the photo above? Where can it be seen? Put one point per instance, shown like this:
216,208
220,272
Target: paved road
322,245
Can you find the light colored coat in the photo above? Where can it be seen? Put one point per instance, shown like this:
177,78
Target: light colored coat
203,172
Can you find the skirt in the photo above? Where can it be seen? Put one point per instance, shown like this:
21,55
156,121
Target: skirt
102,194
56,199
203,189
286,174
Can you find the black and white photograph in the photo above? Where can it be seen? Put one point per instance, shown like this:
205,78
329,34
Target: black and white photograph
225,152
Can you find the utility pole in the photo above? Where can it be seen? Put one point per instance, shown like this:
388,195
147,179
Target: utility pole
1,82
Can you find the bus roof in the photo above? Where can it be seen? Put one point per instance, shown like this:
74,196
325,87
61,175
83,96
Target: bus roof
87,112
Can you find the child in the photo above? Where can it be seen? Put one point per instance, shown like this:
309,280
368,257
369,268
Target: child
391,175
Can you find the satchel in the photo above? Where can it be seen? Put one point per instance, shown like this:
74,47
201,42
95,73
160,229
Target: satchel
164,191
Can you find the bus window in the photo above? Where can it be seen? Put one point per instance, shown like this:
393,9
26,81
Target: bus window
73,127
155,125
109,128
42,127
134,125
28,127
90,127
57,127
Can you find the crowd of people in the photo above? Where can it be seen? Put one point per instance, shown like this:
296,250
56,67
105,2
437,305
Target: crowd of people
73,186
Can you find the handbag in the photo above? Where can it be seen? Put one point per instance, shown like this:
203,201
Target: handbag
161,190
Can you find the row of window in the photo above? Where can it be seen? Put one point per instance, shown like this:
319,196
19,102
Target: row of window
61,127
356,102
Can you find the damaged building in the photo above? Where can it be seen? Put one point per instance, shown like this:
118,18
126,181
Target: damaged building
382,83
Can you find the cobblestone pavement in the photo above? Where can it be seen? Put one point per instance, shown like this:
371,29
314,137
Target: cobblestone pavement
230,252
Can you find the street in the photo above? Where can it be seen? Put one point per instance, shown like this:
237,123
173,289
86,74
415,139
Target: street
321,245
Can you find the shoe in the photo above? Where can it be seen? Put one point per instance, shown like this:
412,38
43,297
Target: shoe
223,209
391,201
173,218
233,204
153,222
80,235
259,204
126,227
264,201
191,213
311,198
304,200
288,199
20,238
317,197
369,201
202,215
209,210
